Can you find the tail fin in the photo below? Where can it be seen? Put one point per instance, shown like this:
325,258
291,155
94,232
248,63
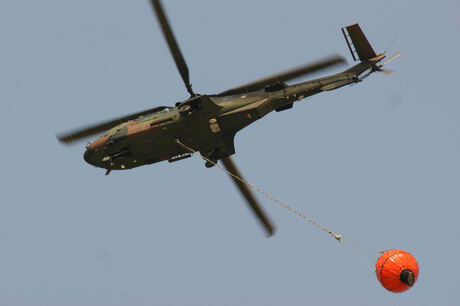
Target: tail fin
361,45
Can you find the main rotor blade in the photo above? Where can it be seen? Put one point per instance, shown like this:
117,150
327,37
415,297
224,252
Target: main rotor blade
256,208
101,127
172,44
286,75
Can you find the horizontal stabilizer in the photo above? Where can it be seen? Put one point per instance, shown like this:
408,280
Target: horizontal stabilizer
359,44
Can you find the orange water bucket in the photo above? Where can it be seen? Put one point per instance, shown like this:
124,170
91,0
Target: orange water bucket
397,270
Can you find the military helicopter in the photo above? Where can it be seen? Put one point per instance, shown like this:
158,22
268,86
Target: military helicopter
208,123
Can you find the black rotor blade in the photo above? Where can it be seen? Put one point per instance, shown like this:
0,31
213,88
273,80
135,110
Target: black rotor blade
101,127
172,44
286,75
256,208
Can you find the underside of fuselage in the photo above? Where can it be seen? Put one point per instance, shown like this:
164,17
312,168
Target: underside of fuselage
152,138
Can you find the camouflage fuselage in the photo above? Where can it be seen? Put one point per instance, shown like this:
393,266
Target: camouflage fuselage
209,128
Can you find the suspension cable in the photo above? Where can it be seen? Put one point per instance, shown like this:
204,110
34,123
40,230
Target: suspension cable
336,236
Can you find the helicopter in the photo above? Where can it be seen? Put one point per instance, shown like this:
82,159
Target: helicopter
208,123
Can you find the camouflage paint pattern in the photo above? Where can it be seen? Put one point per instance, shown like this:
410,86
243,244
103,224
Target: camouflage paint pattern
209,123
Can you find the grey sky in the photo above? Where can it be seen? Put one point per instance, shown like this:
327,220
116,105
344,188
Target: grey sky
377,162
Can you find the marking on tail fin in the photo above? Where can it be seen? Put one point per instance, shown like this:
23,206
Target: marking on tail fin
348,43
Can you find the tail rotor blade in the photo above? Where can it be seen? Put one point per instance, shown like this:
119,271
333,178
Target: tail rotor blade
389,45
379,67
253,204
387,72
399,53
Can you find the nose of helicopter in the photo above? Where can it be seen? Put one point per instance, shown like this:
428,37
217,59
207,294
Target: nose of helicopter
88,155
94,151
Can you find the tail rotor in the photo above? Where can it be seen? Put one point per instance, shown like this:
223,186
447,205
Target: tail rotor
379,67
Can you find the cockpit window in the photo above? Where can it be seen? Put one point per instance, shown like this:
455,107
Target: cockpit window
166,110
152,115
146,117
